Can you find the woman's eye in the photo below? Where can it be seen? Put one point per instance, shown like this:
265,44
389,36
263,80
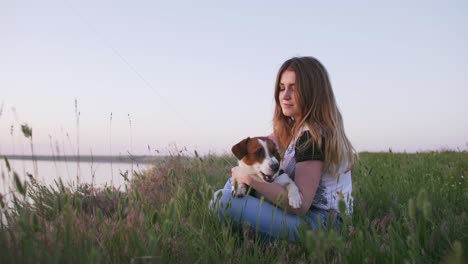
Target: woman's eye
281,88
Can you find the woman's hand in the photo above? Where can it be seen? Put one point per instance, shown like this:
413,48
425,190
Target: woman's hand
239,176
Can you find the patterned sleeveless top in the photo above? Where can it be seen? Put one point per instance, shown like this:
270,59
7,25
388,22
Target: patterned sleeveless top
330,188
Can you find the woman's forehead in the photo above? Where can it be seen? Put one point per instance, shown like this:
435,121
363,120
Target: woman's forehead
288,77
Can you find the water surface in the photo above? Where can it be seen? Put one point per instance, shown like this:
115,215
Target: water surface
97,173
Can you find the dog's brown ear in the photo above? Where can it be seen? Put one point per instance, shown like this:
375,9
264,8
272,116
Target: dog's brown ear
240,149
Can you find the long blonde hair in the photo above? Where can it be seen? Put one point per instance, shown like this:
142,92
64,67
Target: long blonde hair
319,113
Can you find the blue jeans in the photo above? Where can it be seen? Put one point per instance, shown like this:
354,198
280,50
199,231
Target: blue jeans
267,219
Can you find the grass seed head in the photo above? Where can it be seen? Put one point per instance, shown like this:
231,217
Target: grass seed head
27,130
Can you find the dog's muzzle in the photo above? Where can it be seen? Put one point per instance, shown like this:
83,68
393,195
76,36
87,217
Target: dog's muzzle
267,178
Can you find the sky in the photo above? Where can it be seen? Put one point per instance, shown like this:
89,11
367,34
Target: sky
149,77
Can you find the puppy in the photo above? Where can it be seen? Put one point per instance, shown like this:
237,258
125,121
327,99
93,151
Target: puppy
258,156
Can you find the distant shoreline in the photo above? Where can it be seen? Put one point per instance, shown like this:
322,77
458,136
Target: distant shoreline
87,158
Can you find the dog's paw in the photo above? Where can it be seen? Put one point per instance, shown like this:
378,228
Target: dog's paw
240,192
237,194
295,200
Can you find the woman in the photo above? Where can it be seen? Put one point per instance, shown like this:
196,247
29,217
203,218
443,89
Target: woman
308,129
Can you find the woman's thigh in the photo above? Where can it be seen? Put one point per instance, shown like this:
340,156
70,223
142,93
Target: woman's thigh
263,216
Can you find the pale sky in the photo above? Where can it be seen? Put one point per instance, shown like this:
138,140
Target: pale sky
200,74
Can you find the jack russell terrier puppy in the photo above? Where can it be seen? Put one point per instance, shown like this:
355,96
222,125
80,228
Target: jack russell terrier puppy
259,157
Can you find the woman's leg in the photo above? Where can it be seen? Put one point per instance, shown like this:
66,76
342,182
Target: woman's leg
268,219
262,216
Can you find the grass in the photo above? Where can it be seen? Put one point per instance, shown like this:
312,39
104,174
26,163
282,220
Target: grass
408,208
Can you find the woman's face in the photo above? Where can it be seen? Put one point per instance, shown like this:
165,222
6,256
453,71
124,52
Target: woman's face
287,95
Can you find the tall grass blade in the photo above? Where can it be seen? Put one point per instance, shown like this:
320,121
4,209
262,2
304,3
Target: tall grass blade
21,189
7,163
2,204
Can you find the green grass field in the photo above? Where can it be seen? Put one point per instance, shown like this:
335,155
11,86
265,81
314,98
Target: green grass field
408,208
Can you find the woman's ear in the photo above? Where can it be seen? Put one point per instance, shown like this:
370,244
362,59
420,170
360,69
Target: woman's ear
240,149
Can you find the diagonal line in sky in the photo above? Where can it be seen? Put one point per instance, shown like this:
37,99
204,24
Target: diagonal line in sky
106,43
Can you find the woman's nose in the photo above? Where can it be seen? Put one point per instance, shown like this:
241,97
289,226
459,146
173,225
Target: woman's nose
287,94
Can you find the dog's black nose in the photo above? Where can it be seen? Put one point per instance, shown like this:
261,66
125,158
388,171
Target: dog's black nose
275,166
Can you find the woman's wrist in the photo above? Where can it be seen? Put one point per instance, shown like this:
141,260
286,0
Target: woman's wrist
248,180
252,182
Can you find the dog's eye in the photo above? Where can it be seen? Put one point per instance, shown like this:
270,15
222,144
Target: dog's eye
276,155
259,153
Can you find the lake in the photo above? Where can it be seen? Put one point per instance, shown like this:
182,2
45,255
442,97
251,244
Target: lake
101,173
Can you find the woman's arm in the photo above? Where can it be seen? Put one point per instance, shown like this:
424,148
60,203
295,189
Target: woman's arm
307,179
